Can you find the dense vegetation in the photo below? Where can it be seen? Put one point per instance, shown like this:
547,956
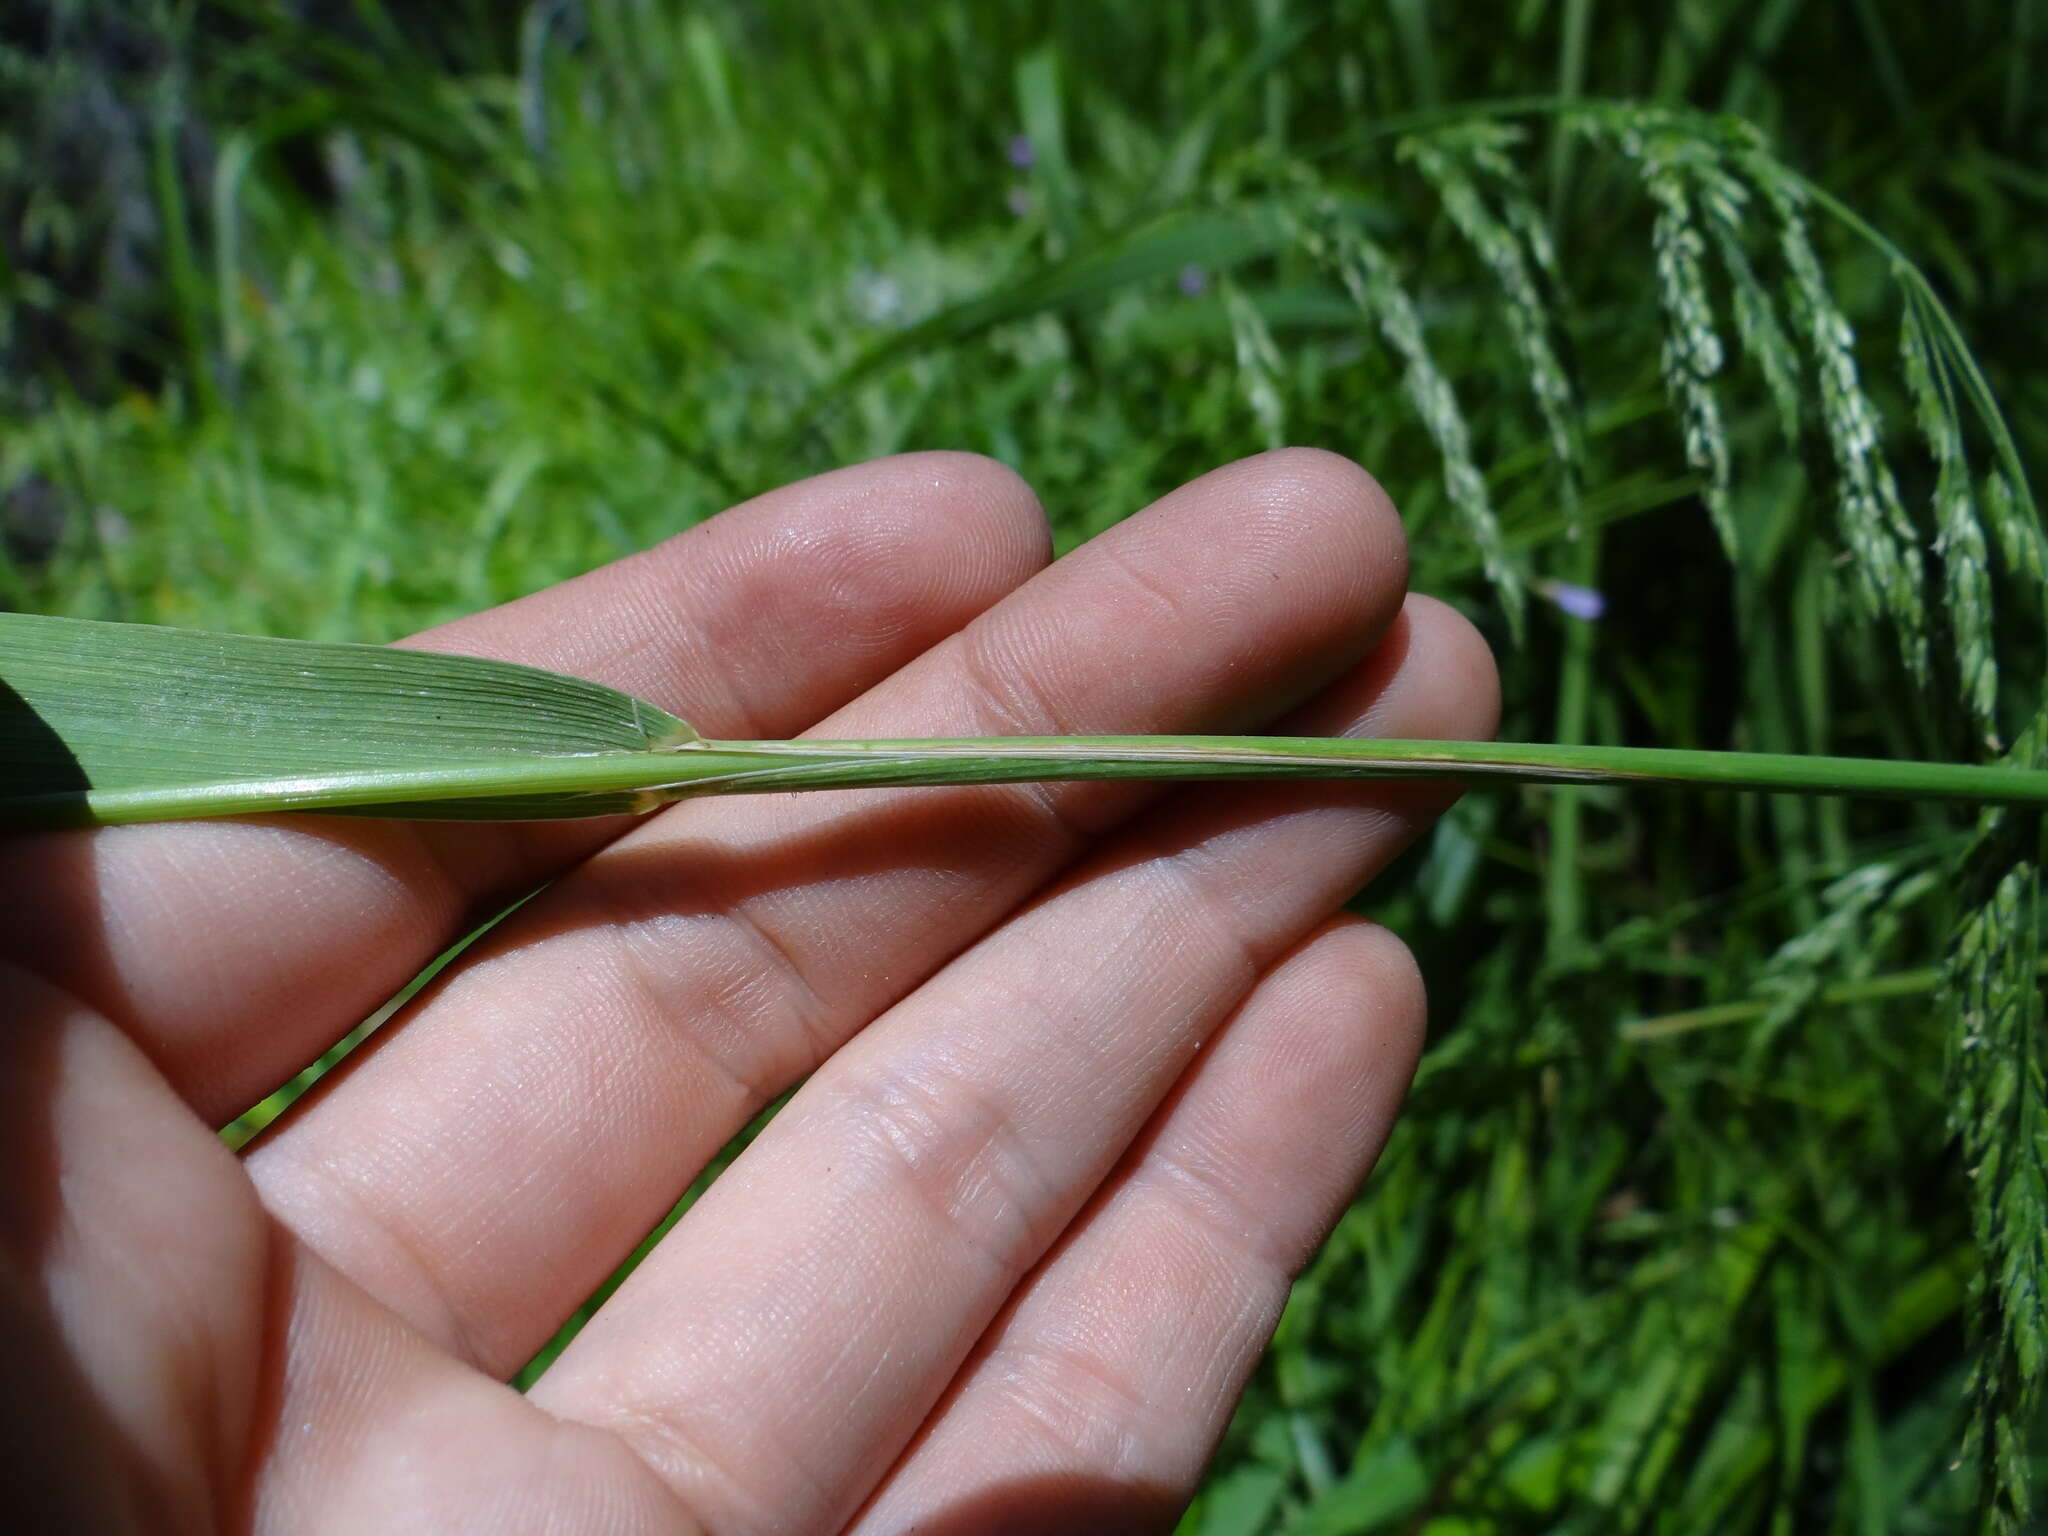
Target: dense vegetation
1723,1200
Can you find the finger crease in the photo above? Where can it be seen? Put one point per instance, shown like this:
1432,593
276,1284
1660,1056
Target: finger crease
950,1170
1186,869
397,1240
748,1083
1035,1379
679,1458
995,704
1172,605
804,1004
1241,1230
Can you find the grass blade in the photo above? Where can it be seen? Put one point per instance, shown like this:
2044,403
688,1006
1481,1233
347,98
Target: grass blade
106,723
95,718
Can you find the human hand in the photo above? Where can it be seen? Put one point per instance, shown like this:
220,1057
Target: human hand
1093,1067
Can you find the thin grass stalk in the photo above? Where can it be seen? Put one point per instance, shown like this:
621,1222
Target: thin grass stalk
1874,989
559,786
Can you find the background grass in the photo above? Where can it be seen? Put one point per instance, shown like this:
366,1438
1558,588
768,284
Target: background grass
342,320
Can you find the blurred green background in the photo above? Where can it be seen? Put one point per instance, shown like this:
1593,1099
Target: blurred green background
338,319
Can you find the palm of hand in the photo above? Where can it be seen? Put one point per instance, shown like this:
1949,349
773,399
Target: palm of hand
1093,1066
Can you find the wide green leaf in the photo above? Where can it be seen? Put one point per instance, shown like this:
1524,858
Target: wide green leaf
96,719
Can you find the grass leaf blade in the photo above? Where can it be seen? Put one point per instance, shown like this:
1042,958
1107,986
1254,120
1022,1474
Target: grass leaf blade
95,716
105,723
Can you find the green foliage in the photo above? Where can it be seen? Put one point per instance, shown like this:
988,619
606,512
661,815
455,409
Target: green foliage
465,308
1369,277
1999,1071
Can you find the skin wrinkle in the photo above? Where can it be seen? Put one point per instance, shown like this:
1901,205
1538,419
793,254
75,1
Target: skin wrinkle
997,667
759,568
660,1437
707,1056
802,1002
1242,1352
540,1189
1215,865
1197,1162
448,1326
645,977
447,894
1028,1374
568,1445
917,1128
834,609
134,978
911,1139
398,1228
640,983
1084,1284
1192,872
706,1070
410,1244
709,692
989,705
1170,608
1229,1221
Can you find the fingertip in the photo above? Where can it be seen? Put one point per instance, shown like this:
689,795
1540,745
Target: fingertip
989,500
1312,498
976,514
1431,679
882,560
1361,1009
1389,982
1318,477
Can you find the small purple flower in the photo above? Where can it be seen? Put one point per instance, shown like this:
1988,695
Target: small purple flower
1019,201
1021,153
1580,602
1192,280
